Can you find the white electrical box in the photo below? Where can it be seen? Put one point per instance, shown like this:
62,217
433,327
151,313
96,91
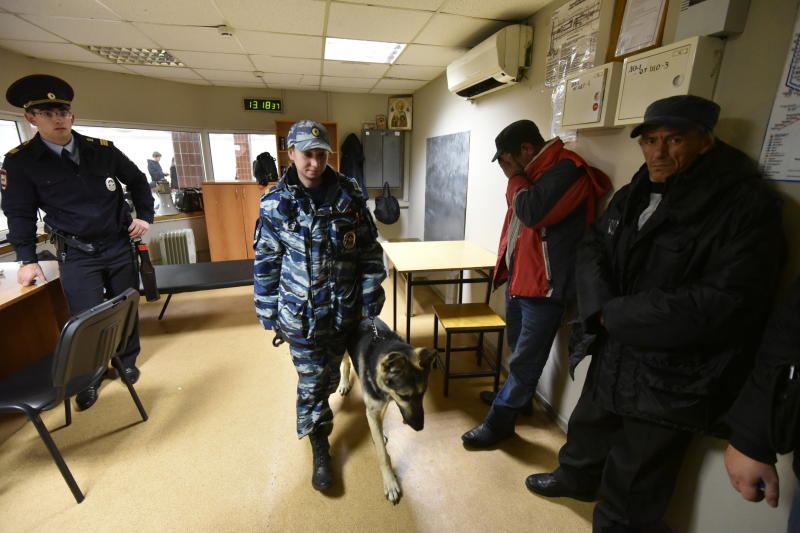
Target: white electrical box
690,66
712,17
590,98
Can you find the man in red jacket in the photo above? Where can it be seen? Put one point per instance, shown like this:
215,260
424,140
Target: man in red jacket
552,196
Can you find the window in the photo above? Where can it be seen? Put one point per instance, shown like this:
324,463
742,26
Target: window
232,154
181,151
9,138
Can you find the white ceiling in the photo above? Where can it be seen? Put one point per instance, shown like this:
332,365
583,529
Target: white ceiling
275,43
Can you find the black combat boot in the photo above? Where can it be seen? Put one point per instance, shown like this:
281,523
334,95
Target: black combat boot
322,478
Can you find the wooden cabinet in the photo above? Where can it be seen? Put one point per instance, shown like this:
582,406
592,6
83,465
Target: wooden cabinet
282,132
231,213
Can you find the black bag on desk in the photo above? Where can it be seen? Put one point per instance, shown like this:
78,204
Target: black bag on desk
189,199
387,208
264,169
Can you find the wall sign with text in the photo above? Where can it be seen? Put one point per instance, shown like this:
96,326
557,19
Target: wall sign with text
272,105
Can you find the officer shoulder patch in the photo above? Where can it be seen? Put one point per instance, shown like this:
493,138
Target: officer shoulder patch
102,142
18,148
3,179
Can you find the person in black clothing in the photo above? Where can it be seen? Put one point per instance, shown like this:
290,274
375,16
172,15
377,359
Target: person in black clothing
673,283
765,420
77,181
154,169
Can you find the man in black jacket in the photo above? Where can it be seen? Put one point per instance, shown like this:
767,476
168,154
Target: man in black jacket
673,283
765,420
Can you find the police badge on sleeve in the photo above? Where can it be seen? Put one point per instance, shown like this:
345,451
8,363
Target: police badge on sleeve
111,184
3,179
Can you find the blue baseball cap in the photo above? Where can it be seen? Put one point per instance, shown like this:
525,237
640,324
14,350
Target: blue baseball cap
308,135
681,111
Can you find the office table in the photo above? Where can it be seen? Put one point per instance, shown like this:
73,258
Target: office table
190,277
408,258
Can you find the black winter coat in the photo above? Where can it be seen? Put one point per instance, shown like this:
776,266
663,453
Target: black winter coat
765,419
683,299
353,161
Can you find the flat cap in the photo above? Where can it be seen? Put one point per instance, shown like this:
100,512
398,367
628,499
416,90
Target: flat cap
513,135
39,89
681,111
307,135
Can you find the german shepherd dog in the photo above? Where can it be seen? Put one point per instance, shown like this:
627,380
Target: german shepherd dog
389,370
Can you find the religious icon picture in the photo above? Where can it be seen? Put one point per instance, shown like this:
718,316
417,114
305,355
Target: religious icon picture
400,112
380,121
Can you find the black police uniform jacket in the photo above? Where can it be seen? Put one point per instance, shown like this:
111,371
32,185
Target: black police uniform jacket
683,299
82,203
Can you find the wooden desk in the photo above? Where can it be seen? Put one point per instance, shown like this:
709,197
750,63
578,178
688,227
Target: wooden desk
30,322
436,256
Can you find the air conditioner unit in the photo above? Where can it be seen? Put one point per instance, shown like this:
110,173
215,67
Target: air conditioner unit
495,63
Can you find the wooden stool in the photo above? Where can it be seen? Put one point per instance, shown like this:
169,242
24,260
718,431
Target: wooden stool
468,318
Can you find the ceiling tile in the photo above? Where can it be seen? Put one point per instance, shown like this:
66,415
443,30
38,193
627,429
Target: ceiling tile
280,44
213,60
183,12
400,85
334,89
172,73
282,79
193,82
354,69
258,84
370,23
310,80
455,30
425,5
509,10
13,27
287,65
113,67
189,38
334,81
423,54
56,51
300,16
98,32
227,75
413,72
69,8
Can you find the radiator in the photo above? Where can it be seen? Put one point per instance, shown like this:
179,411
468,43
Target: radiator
177,247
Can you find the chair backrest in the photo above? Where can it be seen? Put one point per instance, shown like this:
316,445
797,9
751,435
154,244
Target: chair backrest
91,338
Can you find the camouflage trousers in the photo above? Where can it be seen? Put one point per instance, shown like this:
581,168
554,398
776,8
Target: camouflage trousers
317,378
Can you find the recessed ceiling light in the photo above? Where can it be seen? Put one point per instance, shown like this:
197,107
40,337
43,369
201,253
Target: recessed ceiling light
136,56
363,51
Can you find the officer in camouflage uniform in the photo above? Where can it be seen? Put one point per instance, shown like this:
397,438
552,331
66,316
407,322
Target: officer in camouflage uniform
318,269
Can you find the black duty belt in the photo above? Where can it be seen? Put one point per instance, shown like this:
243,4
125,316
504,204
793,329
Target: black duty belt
87,246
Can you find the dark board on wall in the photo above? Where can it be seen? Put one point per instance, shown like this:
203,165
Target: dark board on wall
446,171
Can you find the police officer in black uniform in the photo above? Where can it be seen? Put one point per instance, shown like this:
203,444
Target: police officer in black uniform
77,181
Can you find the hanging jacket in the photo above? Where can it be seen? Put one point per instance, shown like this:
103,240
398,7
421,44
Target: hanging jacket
554,202
352,163
318,268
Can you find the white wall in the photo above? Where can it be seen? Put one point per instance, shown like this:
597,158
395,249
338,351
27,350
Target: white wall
704,500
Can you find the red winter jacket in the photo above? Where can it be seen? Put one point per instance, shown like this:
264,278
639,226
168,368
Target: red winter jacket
555,201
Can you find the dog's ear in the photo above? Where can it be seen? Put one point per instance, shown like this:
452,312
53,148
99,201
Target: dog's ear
394,363
425,357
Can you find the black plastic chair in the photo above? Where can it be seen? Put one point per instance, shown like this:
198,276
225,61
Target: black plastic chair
88,341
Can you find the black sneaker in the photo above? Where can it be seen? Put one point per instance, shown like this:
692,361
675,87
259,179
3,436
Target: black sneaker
488,397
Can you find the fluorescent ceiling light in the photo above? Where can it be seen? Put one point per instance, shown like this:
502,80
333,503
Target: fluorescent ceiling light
364,51
136,56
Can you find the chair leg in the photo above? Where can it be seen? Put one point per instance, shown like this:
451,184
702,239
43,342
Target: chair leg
447,363
118,365
53,449
67,412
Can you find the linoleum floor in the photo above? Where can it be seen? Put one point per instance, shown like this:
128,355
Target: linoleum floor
219,452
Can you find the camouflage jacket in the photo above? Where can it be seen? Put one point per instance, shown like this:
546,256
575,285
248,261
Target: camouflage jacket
317,268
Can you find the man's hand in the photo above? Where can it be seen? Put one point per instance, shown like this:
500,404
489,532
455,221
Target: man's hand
138,228
745,475
27,274
509,165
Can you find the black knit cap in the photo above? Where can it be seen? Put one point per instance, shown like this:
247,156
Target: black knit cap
39,89
511,138
681,112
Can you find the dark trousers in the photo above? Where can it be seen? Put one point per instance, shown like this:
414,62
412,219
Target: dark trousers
633,462
90,279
